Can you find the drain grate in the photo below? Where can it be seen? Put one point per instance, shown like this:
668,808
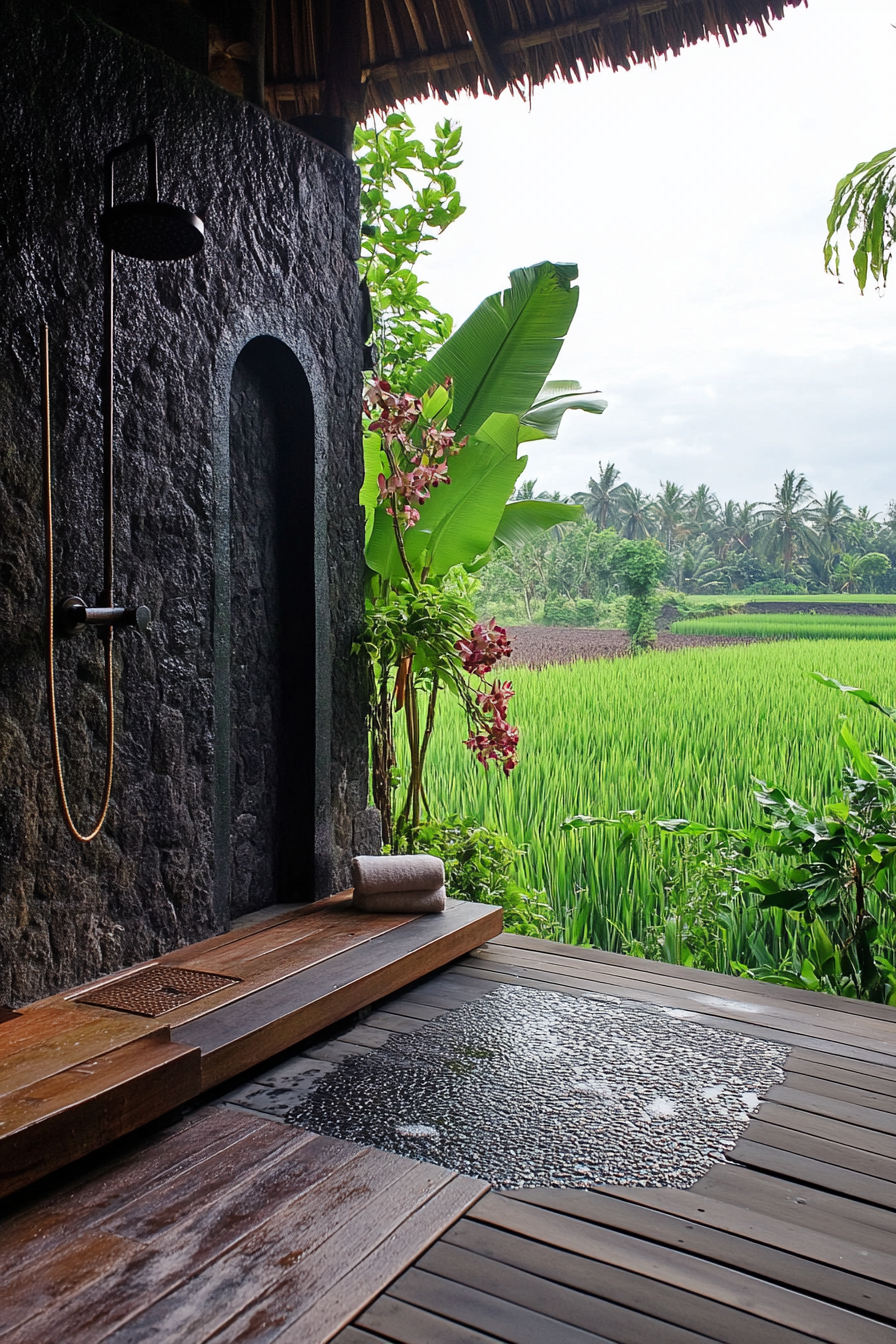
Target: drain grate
157,990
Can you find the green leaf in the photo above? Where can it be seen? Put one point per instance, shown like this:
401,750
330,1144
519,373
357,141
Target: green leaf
862,762
501,356
548,411
458,522
369,493
525,520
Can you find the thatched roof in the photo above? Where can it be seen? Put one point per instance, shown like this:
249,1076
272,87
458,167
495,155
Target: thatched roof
420,48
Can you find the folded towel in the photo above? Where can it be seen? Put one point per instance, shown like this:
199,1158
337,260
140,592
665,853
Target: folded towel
397,872
401,902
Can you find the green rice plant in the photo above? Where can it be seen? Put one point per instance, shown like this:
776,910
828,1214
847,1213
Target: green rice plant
811,599
664,735
790,626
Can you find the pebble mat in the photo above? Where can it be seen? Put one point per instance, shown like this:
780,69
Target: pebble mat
528,1087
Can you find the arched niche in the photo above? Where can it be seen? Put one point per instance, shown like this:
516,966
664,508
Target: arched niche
273,682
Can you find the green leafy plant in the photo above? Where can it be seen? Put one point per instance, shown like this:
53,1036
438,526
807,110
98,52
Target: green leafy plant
409,197
479,866
440,465
640,565
865,204
832,868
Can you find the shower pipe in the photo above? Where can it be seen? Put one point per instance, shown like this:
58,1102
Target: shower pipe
150,230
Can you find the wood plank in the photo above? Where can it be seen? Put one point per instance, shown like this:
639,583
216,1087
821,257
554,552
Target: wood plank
350,930
797,1018
833,1249
764,1192
688,973
883,1071
68,1046
823,1150
877,1085
787,1315
393,1022
158,1268
484,1258
397,1248
153,1212
838,1090
280,1268
71,1114
537,980
82,1259
838,1131
497,1317
776,1262
866,1116
407,1324
42,1226
806,1016
240,1035
810,1171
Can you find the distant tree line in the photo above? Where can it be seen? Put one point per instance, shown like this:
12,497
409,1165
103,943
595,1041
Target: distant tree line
798,542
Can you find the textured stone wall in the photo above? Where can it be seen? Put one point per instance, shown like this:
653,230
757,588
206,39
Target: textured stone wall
281,219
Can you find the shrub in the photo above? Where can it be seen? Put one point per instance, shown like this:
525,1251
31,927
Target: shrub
479,866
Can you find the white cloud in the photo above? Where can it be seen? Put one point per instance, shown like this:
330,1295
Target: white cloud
693,198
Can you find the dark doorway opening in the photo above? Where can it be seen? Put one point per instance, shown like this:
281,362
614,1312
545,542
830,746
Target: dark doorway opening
272,624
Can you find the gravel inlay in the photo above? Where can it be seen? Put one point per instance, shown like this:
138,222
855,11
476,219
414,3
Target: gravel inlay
528,1087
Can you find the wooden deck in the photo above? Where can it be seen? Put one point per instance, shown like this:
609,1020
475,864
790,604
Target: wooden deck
230,1226
74,1076
793,1239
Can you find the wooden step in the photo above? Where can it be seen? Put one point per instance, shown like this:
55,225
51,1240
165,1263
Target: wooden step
74,1076
49,1123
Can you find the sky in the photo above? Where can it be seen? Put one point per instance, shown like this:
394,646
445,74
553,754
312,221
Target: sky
693,198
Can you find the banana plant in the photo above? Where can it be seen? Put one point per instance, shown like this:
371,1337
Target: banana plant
442,458
497,364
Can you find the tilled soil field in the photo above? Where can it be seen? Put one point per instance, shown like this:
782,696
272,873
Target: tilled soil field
820,607
541,645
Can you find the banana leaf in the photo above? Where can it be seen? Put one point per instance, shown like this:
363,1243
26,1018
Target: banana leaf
554,400
458,522
501,356
525,520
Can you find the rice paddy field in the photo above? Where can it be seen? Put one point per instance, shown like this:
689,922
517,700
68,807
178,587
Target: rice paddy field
792,625
669,735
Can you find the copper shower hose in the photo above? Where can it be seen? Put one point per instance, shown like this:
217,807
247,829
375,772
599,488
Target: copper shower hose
107,633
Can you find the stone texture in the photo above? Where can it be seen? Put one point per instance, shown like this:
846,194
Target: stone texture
281,218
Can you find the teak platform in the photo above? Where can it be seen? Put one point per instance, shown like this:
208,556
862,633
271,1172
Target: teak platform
230,1226
74,1076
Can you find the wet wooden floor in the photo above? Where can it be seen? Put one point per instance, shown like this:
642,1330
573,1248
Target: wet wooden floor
230,1226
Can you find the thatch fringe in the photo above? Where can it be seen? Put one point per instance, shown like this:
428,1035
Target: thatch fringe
423,48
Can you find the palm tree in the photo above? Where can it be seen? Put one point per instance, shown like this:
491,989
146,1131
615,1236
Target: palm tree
635,511
704,507
670,512
601,499
787,521
831,517
848,574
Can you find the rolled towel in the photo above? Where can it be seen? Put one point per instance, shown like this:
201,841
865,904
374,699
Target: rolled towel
401,902
397,872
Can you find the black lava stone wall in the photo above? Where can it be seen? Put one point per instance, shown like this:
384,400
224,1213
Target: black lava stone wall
241,713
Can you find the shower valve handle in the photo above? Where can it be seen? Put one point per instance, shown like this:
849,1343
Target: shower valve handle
75,616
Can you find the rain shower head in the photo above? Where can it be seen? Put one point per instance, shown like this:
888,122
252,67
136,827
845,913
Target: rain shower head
151,230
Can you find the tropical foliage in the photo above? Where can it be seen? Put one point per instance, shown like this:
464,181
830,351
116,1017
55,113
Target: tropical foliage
677,735
865,207
441,463
408,197
798,542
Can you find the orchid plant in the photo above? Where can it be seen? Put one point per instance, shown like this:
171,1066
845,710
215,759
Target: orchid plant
441,462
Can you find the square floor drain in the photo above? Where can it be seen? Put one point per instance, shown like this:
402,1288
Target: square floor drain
157,990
